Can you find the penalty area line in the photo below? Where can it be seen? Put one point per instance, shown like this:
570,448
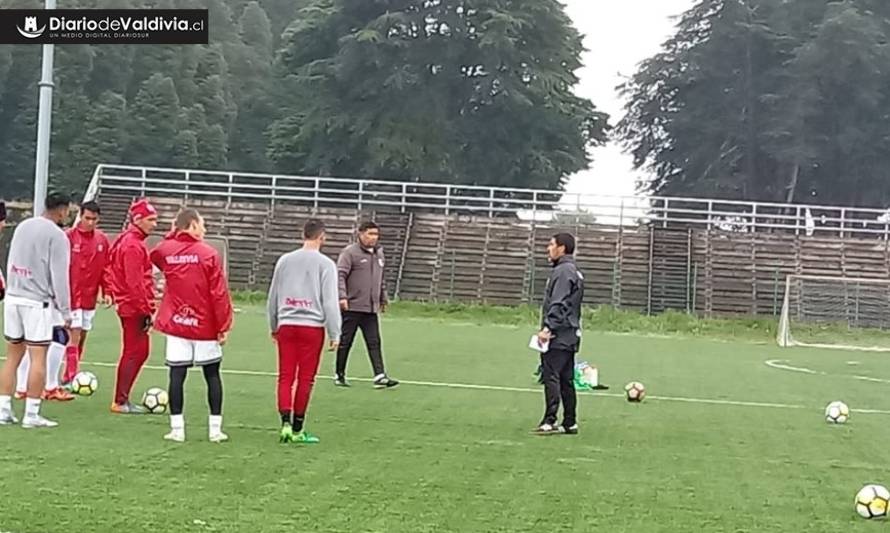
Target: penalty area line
496,388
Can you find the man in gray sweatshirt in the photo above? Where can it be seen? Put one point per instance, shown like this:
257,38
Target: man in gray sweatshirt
362,297
302,306
38,301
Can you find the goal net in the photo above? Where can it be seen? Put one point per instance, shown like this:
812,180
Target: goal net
836,312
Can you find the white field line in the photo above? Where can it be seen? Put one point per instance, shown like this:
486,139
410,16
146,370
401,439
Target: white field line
781,364
495,388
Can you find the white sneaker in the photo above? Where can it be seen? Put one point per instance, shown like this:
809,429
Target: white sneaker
37,421
218,437
175,435
7,418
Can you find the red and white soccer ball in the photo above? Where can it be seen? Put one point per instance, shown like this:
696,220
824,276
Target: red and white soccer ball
872,502
635,391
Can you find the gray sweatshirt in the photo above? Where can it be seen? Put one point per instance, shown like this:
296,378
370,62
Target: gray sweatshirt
304,293
362,282
37,267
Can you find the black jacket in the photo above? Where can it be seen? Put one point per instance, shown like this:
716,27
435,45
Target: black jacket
561,312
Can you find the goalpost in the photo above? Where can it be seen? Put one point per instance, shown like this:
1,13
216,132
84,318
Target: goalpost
835,312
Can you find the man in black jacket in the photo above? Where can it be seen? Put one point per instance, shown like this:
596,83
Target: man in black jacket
561,327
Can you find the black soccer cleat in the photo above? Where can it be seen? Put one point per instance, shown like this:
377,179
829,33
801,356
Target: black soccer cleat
385,382
570,430
340,381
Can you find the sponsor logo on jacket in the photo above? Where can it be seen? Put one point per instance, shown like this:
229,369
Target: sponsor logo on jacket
186,316
188,259
302,303
24,272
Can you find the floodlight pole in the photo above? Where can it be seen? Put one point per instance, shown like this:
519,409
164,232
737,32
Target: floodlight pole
44,124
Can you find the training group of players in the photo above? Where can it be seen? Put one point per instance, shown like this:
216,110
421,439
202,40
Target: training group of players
55,280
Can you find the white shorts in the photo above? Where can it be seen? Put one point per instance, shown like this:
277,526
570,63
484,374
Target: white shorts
82,319
184,352
30,322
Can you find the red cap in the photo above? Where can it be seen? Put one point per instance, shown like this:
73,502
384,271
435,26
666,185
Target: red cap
142,208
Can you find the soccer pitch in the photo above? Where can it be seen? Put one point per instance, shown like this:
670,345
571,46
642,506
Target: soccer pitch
724,442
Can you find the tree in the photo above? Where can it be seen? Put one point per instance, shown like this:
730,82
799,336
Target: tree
435,91
102,136
252,70
153,122
766,100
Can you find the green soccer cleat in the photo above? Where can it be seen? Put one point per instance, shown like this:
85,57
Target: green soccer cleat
304,438
286,435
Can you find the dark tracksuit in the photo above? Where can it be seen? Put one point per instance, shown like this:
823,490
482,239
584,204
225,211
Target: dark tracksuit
363,285
561,314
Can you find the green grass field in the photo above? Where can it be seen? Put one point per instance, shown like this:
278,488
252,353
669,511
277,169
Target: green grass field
723,443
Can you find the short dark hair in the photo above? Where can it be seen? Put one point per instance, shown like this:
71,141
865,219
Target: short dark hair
92,206
56,200
185,217
367,225
567,240
313,229
2,210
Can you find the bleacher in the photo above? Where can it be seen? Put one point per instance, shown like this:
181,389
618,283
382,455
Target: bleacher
443,244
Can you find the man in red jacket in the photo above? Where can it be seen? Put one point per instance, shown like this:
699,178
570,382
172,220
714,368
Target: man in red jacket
89,259
132,289
195,315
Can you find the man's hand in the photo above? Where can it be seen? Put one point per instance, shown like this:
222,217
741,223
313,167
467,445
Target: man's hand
334,345
383,308
146,323
274,336
222,338
344,305
544,336
68,325
107,301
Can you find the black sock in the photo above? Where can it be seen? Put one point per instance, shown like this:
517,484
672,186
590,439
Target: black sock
298,423
177,393
285,417
214,389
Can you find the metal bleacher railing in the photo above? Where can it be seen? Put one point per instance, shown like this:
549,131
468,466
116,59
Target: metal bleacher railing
525,204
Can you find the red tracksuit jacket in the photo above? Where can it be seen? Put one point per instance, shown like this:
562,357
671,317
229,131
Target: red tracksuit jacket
196,304
89,260
129,275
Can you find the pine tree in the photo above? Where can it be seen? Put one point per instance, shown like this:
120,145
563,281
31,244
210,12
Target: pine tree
153,122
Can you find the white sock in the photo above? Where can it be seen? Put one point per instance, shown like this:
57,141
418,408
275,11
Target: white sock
21,374
54,357
5,403
215,424
177,422
32,407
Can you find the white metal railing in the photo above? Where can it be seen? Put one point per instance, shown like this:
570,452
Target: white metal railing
534,204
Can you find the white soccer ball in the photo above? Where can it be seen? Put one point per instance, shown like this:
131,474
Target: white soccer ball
84,384
873,502
156,400
837,413
635,391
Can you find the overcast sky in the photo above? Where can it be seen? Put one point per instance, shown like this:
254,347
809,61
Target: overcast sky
618,34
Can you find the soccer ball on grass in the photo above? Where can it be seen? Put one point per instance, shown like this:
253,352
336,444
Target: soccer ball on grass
837,413
635,391
155,400
873,502
84,384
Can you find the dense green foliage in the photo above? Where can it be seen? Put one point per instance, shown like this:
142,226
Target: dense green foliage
781,100
445,90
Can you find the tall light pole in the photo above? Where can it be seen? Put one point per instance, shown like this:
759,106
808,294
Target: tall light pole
44,124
